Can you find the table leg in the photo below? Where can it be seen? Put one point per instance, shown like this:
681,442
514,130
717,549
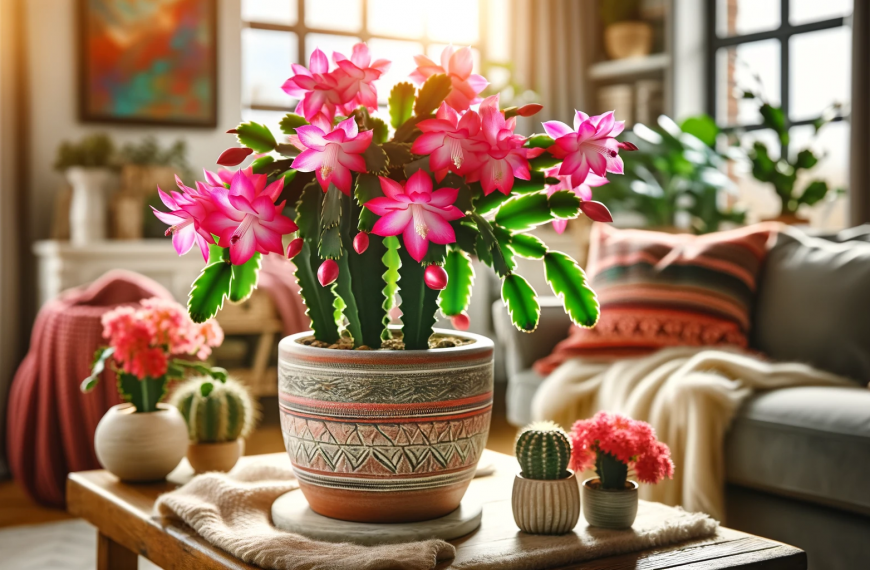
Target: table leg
113,556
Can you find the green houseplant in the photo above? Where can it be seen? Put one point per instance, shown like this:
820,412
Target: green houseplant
546,496
675,172
219,415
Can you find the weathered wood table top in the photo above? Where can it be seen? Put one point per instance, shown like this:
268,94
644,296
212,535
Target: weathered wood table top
122,513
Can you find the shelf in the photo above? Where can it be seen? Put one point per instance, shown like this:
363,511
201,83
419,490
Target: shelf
625,68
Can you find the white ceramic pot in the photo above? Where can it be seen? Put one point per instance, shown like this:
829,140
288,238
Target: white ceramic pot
141,447
546,506
87,210
609,508
222,456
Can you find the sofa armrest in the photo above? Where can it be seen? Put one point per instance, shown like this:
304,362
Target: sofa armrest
521,349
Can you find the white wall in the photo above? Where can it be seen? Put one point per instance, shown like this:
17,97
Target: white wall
52,56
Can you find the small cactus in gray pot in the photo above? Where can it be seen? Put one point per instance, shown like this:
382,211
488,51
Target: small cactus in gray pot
544,451
215,412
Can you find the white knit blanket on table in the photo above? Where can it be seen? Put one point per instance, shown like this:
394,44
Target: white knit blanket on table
688,394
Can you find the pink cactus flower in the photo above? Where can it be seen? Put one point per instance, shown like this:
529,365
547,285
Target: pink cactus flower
222,177
332,152
416,212
450,142
583,191
315,88
247,220
457,65
355,78
188,209
505,157
590,146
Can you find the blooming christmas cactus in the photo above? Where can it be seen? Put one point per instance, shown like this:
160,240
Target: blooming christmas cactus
144,345
397,206
613,444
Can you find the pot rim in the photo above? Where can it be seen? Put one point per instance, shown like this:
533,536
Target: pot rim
289,345
127,408
573,475
634,486
215,443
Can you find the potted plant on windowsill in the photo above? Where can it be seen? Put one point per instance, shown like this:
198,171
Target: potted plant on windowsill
144,439
219,414
386,423
626,34
614,445
546,497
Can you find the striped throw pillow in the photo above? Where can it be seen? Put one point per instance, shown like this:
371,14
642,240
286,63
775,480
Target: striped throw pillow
658,290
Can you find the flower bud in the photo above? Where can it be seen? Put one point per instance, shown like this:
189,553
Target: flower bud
294,247
626,145
435,277
529,110
327,273
596,211
361,242
234,156
460,322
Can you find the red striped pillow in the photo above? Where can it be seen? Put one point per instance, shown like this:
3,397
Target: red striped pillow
658,290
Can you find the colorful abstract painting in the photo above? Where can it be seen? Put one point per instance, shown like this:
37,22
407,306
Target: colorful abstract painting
149,61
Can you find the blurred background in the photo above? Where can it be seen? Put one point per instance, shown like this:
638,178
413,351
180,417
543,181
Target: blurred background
744,110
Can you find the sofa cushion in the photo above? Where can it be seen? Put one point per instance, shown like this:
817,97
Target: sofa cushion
658,290
811,443
813,304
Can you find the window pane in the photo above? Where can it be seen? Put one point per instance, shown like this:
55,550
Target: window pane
753,66
820,71
266,59
328,44
804,11
738,17
498,43
832,142
343,15
455,21
396,18
270,11
402,55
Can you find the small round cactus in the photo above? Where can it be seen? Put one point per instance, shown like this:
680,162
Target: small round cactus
215,411
543,450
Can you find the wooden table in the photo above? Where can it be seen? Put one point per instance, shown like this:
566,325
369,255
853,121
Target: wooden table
122,514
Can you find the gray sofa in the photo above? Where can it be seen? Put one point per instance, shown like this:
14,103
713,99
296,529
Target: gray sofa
797,460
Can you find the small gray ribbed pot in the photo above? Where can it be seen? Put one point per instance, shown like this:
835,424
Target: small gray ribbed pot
608,508
546,506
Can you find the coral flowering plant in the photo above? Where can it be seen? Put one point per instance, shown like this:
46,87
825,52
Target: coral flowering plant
614,444
369,207
150,345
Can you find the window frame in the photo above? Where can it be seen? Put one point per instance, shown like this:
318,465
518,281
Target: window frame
783,33
301,31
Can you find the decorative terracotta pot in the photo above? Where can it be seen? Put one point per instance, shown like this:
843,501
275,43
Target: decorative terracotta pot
141,447
546,506
204,457
385,435
628,39
608,508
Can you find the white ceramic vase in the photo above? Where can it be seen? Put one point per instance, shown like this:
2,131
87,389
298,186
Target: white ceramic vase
221,456
141,447
87,210
609,508
546,506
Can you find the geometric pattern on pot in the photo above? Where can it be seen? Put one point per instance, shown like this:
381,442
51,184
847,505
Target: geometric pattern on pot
385,450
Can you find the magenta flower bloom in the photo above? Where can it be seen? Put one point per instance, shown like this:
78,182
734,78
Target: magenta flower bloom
505,158
315,88
449,141
188,209
247,220
332,152
416,212
355,78
583,191
590,146
457,65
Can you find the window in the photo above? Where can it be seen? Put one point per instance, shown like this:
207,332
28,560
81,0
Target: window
277,33
796,53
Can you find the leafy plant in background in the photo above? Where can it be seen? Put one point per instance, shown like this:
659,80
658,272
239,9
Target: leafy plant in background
783,173
149,152
395,204
674,170
93,151
150,345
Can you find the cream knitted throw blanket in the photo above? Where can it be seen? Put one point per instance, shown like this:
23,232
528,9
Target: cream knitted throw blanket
689,395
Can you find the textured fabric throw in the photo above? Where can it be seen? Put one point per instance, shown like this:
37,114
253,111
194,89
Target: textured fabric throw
658,290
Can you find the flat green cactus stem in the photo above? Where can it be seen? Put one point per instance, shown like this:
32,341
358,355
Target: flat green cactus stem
543,451
215,411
